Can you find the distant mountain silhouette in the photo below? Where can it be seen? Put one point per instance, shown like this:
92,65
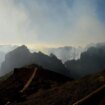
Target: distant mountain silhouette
91,61
16,58
21,56
2,57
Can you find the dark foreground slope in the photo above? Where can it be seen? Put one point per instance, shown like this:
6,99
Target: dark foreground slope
47,88
10,89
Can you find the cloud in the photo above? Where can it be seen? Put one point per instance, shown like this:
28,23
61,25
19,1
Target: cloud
87,26
14,23
53,23
59,23
65,53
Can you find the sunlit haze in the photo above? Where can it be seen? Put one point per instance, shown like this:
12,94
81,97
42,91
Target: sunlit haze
52,23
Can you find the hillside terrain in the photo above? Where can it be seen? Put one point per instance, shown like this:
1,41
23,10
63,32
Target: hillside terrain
47,87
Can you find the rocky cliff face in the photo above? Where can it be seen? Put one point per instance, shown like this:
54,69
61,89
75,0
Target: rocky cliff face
21,57
91,61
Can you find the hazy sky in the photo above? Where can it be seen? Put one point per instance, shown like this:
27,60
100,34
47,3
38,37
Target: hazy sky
52,23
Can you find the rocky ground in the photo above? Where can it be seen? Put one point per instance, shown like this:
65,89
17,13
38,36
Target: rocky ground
47,87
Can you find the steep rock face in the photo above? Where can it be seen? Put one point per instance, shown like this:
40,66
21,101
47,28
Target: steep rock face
21,57
4,49
91,61
2,57
49,62
16,58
